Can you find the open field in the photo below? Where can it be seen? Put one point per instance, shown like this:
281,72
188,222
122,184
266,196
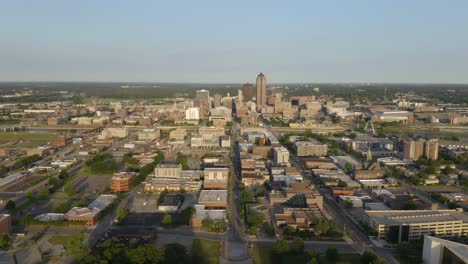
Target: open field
27,136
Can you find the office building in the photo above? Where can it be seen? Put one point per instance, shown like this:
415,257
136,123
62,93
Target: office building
261,91
168,170
192,113
240,95
396,226
202,100
281,156
217,100
247,92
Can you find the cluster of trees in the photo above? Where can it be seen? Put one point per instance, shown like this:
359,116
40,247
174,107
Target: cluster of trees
66,206
218,226
25,162
290,232
441,199
183,160
276,122
325,227
145,170
129,160
5,242
114,251
102,163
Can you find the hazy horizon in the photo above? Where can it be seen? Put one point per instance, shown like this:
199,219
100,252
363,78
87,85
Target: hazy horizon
417,42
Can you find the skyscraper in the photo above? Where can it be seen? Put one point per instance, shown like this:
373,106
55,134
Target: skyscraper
217,100
202,100
261,90
247,91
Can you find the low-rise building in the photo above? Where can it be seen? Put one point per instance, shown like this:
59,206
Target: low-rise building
214,199
168,170
204,141
170,204
159,184
179,134
90,214
149,134
216,178
111,132
120,181
307,149
202,213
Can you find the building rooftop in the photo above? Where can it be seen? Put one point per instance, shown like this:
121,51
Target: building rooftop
390,217
213,196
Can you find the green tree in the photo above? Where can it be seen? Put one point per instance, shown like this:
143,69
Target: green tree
281,247
331,254
5,242
322,227
61,208
122,213
342,184
348,168
370,258
146,254
10,205
167,220
53,181
297,246
187,214
30,195
63,175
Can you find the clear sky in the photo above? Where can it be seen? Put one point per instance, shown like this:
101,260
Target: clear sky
232,41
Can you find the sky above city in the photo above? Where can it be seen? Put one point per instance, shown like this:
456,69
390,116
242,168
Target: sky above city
420,41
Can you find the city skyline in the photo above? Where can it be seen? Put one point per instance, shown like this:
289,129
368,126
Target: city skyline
333,42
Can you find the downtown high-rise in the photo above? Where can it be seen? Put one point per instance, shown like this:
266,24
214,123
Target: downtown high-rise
261,90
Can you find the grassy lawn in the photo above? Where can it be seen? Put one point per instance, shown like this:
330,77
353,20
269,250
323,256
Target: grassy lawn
28,136
73,244
261,255
206,251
